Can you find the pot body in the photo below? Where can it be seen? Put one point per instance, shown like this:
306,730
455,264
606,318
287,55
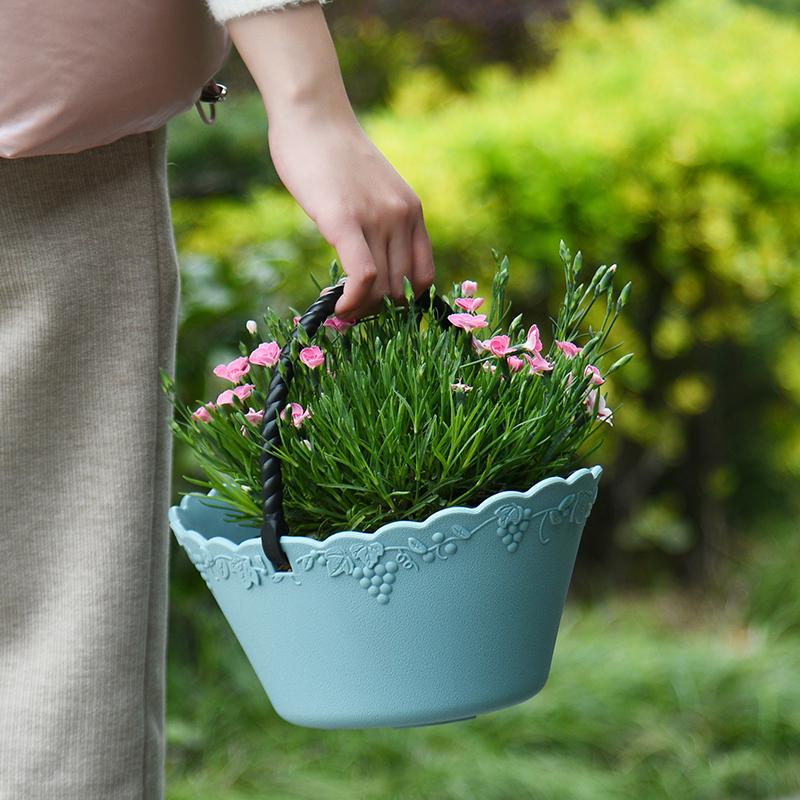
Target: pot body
416,624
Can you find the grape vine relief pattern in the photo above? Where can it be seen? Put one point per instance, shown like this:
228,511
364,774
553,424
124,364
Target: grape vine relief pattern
377,567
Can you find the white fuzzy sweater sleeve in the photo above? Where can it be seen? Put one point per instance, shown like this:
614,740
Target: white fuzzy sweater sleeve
223,10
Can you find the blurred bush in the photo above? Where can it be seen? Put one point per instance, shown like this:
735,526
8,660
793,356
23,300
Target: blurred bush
667,141
379,39
378,42
225,158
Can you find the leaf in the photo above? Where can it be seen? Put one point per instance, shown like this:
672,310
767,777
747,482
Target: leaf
307,561
368,554
416,545
565,504
461,532
339,563
249,576
221,569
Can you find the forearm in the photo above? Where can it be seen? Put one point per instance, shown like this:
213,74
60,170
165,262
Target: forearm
292,59
360,204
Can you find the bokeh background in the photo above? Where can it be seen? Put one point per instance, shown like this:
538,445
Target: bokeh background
663,136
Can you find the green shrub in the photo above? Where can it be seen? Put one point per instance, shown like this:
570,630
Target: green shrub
226,157
666,140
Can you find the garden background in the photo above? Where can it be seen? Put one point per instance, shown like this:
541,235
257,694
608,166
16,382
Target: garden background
661,136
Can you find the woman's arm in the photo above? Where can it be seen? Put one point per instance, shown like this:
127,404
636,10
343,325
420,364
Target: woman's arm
362,207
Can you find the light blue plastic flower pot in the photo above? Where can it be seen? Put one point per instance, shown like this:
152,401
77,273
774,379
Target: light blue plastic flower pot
417,624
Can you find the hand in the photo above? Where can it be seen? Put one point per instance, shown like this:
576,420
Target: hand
362,207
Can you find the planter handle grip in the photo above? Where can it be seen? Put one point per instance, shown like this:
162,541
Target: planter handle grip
274,525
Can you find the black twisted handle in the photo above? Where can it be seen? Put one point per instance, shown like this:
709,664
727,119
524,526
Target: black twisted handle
274,525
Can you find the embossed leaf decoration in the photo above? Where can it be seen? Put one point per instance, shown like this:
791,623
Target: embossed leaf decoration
249,576
307,561
368,554
461,532
582,508
416,545
222,569
557,515
339,563
509,515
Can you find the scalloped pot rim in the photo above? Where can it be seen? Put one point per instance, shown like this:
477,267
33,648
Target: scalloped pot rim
341,536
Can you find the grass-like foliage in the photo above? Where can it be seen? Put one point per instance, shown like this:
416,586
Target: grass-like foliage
403,414
665,697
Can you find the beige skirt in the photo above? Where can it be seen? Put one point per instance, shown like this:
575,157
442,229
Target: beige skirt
88,307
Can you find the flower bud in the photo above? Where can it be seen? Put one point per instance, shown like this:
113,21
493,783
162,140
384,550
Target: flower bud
605,281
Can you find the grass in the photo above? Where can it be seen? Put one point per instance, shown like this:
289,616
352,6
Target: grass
648,698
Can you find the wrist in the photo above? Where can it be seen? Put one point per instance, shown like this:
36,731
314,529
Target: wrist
293,61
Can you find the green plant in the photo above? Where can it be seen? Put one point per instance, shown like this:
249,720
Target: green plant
408,411
652,140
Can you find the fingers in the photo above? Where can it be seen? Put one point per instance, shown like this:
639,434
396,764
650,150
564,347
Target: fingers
423,271
361,205
359,297
400,265
377,265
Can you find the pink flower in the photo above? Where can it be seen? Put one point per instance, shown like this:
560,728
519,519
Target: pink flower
469,322
298,414
603,412
339,325
515,364
533,342
597,378
234,371
202,415
242,392
479,346
537,364
487,367
295,320
460,387
226,398
266,354
312,356
468,288
254,417
569,349
498,345
471,304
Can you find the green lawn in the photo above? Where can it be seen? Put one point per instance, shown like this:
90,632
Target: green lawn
648,698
